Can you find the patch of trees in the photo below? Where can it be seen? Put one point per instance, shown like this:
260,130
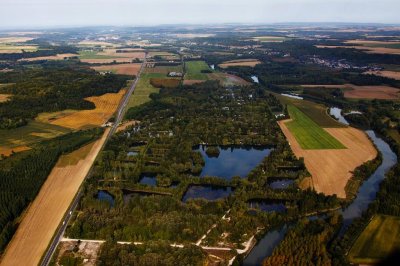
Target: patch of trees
53,87
23,174
149,254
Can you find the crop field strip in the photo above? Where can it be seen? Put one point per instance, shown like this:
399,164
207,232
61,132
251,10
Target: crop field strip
377,241
194,68
308,133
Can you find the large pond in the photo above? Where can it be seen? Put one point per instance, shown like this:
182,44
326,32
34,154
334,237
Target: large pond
337,113
207,192
232,161
366,194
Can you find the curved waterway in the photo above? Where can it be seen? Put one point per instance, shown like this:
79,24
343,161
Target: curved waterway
366,194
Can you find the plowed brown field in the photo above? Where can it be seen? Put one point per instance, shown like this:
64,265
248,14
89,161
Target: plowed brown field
331,169
123,69
47,210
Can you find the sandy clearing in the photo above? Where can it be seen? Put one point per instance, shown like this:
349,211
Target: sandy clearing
331,169
7,151
4,97
47,210
53,57
123,69
106,105
363,92
126,124
386,74
249,63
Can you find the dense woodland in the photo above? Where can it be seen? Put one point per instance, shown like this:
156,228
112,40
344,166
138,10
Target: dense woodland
23,174
53,87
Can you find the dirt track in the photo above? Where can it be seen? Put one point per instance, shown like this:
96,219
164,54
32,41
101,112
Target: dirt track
331,169
47,210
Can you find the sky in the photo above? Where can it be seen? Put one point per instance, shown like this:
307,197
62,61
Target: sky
53,13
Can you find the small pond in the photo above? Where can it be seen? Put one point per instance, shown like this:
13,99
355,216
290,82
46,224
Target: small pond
148,179
232,161
208,192
268,205
281,183
103,195
132,153
255,79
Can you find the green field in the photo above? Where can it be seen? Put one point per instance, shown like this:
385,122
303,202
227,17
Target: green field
377,241
317,112
93,55
144,89
194,68
30,134
308,133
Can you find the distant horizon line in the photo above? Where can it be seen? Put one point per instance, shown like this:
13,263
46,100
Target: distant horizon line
49,27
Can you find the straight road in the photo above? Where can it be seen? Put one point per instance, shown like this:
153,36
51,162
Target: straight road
61,229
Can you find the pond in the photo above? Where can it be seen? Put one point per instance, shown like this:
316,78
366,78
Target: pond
148,179
208,192
103,195
232,161
281,183
255,79
132,153
268,205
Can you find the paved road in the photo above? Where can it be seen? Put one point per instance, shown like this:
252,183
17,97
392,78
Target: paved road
61,229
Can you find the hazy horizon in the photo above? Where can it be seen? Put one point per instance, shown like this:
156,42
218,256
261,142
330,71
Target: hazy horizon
16,14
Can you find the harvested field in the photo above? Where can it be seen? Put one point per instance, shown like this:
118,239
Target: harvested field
194,35
13,49
364,92
47,210
89,43
123,69
53,57
106,105
368,50
165,82
377,241
244,62
270,38
192,81
15,39
331,169
4,97
164,69
107,61
386,74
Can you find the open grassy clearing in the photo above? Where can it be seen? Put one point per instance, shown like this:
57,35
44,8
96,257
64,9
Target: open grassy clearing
128,53
18,139
47,210
123,69
228,79
244,62
308,133
317,112
144,89
164,69
94,55
105,104
377,241
194,68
